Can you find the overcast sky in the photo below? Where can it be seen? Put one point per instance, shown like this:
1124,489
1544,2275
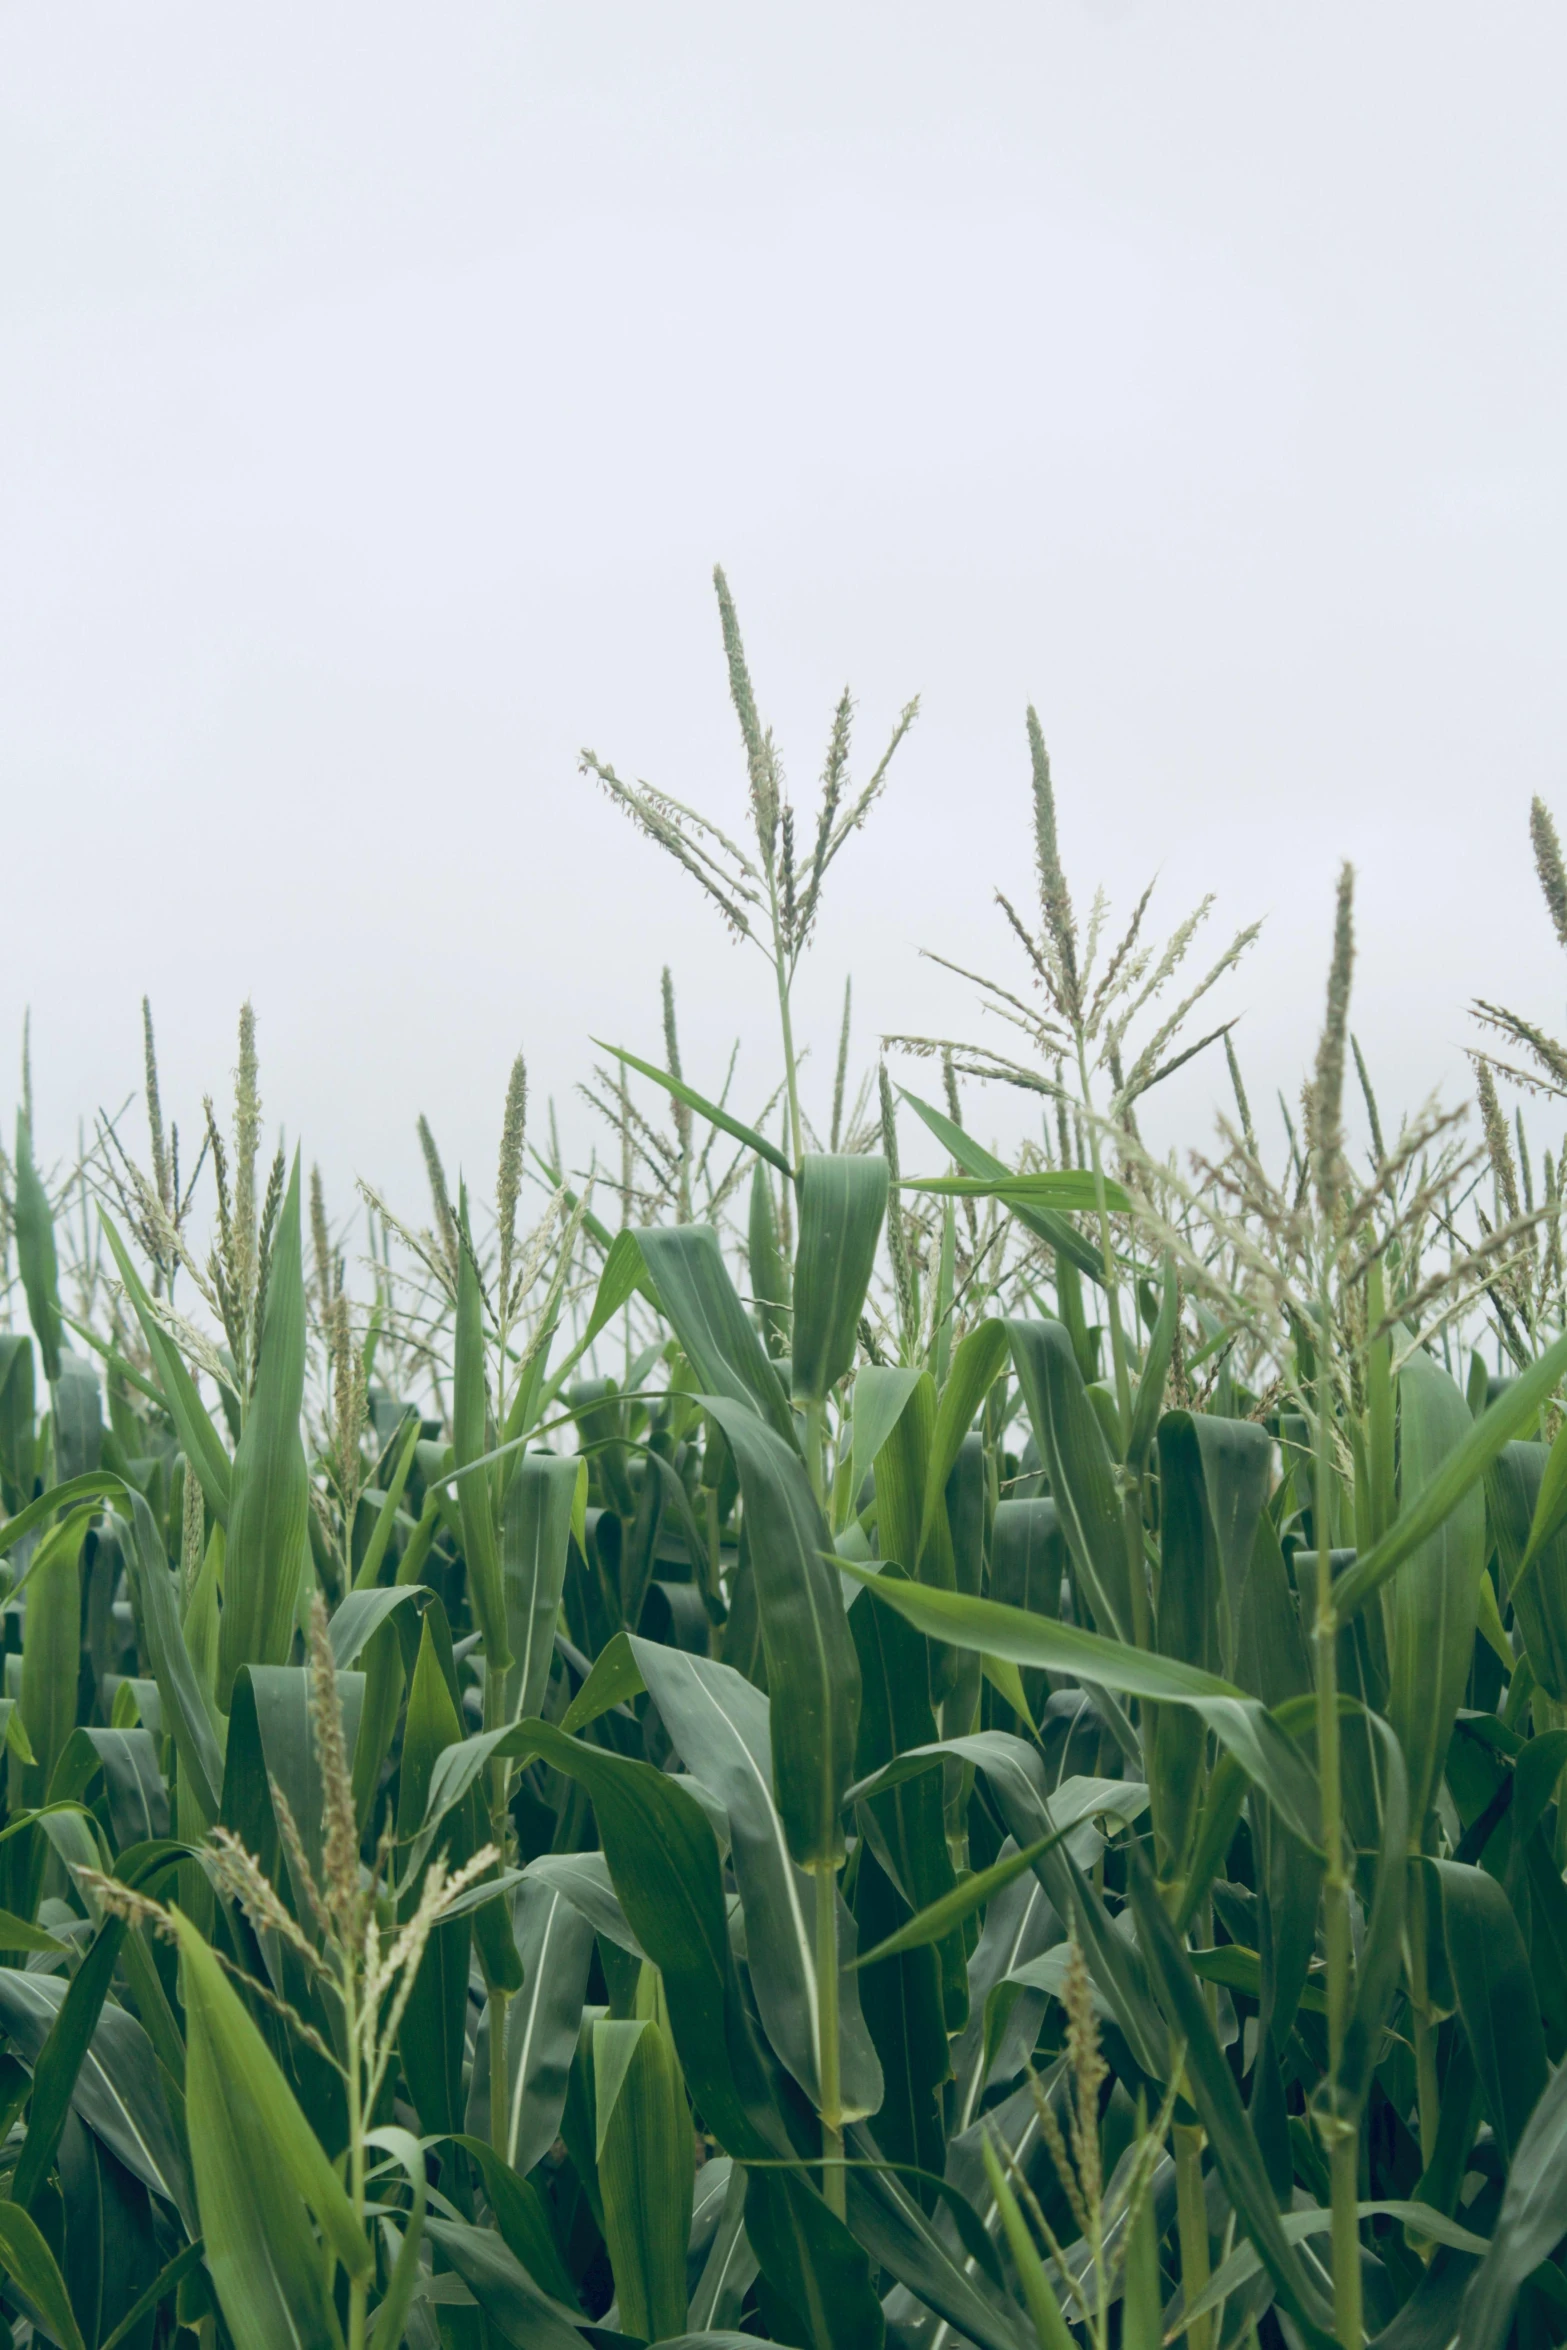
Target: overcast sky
379,385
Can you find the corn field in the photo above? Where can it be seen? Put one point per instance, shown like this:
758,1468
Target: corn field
810,1733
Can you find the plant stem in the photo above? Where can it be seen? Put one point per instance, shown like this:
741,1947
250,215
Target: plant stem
1343,2150
499,2088
827,2036
791,1080
1123,1380
815,1448
358,2287
1191,2212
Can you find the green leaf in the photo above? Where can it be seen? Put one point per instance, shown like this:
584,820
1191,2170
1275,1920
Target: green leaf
116,2087
1235,2149
1148,1403
35,1251
555,1946
881,1396
521,2216
186,1717
51,1652
1435,1600
1496,1996
516,2310
663,1859
976,1364
1381,1950
1045,1223
367,1573
645,2168
1081,1472
54,2076
361,1615
1530,2224
771,1287
812,2259
716,1333
722,1119
1531,1542
1267,1754
257,2166
842,1203
28,2261
720,1725
199,1440
268,1549
813,1673
1518,1404
1043,2307
1064,1188
535,1541
969,1894
431,2039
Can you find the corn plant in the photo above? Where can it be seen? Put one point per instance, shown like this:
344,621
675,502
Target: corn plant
798,1729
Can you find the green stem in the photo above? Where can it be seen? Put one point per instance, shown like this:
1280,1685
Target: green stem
791,1080
358,2287
815,1449
1191,2217
499,2086
827,2036
1342,2150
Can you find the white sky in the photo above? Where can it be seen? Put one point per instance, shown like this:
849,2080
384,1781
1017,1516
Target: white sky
378,385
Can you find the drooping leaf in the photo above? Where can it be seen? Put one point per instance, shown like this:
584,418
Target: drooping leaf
842,1201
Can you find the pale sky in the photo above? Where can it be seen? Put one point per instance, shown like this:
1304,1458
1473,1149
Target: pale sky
379,385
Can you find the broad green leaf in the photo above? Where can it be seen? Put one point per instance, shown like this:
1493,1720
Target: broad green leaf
897,2235
185,1704
976,1364
771,1286
969,1894
51,1653
1045,1223
842,1201
1298,2226
1496,1996
1062,1188
881,1395
368,1571
272,1745
60,2061
29,2263
1381,1950
432,2036
645,2159
116,2089
535,1540
257,2165
35,1250
359,1618
716,1334
1077,1461
522,2218
1533,1552
813,1673
1235,2148
268,1550
555,1945
664,1862
1264,1750
722,1119
1043,2307
137,1798
813,2261
1530,2224
1435,1600
720,1726
1423,1511
516,2310
199,1440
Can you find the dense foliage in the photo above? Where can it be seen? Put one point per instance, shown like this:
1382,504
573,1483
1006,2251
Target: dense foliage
994,1781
